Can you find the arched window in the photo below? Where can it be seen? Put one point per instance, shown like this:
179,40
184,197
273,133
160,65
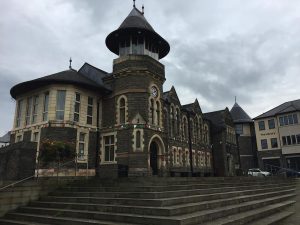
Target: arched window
138,139
166,120
174,122
152,110
158,113
180,156
205,134
178,122
122,110
200,130
174,156
192,130
171,122
195,132
187,158
185,128
197,129
194,158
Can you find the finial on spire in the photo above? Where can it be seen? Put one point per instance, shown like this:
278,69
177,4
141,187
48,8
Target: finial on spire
133,3
70,66
234,99
143,9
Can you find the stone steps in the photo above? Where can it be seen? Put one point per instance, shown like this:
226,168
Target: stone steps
159,202
273,219
18,222
191,218
161,211
169,202
246,217
156,188
166,194
54,220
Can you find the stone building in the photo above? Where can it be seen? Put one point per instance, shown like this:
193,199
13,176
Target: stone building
121,123
225,153
278,136
245,137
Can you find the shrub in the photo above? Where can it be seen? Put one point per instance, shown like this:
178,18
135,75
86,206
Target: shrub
53,151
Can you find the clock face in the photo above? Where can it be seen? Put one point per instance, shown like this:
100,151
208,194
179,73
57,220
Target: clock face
154,91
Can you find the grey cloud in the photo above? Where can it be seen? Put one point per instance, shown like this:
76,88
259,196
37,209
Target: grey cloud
219,49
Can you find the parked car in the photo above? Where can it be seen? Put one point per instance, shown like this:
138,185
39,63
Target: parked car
256,172
288,173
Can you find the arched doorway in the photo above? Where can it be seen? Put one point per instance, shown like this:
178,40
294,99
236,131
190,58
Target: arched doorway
156,156
153,158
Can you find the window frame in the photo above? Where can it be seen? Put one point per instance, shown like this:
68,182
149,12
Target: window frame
63,105
239,128
90,105
273,124
19,112
45,106
35,136
81,142
261,125
34,111
109,147
77,104
264,144
284,140
274,143
29,104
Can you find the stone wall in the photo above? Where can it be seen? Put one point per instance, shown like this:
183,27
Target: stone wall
17,161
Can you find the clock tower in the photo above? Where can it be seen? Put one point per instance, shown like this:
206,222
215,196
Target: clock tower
136,104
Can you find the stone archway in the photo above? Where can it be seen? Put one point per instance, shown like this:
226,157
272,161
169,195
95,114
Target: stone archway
156,151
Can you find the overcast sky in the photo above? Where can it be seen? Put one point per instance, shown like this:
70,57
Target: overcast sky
219,49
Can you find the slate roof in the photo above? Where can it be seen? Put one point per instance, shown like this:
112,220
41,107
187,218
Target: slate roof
5,138
188,107
133,23
166,96
239,115
93,73
65,77
287,107
216,118
136,19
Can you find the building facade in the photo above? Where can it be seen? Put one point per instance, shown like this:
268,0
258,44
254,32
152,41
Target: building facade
224,146
245,138
120,123
278,136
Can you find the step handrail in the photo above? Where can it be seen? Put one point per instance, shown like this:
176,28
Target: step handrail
27,178
16,182
282,168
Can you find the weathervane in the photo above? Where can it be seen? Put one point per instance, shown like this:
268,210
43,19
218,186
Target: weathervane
133,3
70,66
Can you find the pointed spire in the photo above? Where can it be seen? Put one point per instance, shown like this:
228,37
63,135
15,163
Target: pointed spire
143,8
70,66
133,3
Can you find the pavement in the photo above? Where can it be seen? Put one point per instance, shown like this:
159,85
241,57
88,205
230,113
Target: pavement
295,218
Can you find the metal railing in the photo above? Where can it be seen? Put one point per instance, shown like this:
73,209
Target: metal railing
277,170
58,171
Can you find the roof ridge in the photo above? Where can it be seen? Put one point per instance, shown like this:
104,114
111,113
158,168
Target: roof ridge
289,103
94,67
